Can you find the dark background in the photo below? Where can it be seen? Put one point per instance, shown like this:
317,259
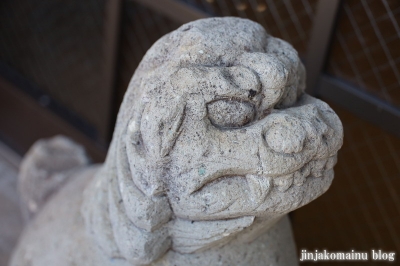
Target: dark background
65,65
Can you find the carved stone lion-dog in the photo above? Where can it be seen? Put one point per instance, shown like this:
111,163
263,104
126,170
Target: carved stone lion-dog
214,144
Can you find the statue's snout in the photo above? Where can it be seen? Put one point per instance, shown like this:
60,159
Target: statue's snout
286,137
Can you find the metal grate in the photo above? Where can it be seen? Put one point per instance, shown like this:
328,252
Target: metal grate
365,50
361,210
57,45
290,20
141,27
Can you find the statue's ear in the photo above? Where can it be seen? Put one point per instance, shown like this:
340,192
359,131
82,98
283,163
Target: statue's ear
137,245
137,215
150,139
161,125
171,128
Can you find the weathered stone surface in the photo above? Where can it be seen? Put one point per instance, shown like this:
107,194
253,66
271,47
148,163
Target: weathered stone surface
45,168
214,144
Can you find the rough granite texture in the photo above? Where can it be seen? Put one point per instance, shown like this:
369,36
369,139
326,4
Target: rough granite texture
214,144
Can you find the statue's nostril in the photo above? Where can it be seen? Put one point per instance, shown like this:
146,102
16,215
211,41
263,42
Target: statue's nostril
286,137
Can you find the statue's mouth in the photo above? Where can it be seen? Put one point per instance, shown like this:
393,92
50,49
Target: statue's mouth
262,197
314,168
233,196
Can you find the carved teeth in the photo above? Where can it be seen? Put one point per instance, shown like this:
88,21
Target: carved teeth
259,187
331,162
318,167
283,183
301,175
315,168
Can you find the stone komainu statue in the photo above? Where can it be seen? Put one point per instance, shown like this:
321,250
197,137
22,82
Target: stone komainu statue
215,143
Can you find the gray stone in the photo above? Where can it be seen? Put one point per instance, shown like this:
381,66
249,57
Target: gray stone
11,221
214,144
44,170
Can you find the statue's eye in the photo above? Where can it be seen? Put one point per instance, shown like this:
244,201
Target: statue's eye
230,113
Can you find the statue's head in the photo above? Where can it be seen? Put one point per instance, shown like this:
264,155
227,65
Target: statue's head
215,125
